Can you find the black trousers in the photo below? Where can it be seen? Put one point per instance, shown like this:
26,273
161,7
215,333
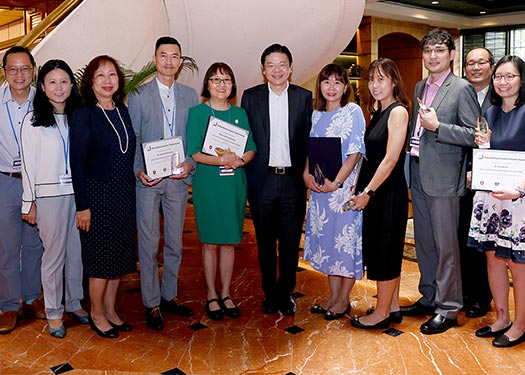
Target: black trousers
474,275
278,209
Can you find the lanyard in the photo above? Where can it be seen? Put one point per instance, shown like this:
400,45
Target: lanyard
213,112
170,125
65,144
11,121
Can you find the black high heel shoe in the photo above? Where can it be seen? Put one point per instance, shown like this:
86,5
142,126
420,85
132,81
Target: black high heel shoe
124,327
383,324
214,314
109,334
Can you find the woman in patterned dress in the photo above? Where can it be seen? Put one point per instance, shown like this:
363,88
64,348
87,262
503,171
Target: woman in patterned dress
498,218
333,236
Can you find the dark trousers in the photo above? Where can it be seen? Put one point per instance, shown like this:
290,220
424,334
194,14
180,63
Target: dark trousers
473,262
278,209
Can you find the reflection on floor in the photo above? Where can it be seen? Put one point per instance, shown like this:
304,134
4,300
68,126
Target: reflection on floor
257,343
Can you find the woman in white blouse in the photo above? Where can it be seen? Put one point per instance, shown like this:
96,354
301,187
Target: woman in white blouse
48,199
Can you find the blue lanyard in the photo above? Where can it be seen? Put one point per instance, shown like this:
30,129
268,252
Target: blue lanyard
65,144
170,125
213,112
11,121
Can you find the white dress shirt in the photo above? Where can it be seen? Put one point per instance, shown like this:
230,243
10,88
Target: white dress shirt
279,137
167,96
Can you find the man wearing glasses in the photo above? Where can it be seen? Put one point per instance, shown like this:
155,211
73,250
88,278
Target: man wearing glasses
159,110
479,63
442,128
279,114
20,245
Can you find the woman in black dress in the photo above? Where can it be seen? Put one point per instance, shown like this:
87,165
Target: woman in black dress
102,155
383,192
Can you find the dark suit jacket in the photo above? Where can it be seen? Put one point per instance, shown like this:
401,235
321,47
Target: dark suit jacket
92,148
442,155
256,103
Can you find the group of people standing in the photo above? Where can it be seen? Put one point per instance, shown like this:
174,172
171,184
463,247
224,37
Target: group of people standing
91,192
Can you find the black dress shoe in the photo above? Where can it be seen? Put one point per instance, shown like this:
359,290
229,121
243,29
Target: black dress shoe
416,309
154,318
176,308
437,324
488,332
503,341
287,307
232,312
332,315
214,314
318,309
109,334
477,310
383,324
395,316
124,327
269,306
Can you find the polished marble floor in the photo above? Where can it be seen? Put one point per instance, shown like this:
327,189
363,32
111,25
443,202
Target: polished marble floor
257,344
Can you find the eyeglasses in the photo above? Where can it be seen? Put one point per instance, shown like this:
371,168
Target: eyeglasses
480,63
217,81
507,77
12,70
271,66
437,51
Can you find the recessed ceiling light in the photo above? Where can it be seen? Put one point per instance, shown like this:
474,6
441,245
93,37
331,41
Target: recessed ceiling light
435,2
482,12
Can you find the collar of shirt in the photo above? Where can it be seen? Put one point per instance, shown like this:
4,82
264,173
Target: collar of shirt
272,93
439,82
482,94
6,94
165,89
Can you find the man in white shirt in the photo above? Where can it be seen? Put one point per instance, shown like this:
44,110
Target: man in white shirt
20,245
280,119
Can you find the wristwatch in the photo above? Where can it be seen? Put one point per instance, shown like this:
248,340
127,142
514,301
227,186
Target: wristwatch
338,184
369,192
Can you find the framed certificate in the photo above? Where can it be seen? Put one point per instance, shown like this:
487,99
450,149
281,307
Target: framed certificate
493,169
221,135
161,157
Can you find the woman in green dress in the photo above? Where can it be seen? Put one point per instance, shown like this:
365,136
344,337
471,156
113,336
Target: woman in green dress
219,187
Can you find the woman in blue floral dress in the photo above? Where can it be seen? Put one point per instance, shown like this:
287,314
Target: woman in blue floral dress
498,219
333,236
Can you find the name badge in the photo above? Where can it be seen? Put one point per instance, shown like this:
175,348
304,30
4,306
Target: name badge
17,163
65,179
226,171
414,141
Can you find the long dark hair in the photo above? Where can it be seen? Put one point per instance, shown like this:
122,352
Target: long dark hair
387,67
86,84
42,108
520,66
339,73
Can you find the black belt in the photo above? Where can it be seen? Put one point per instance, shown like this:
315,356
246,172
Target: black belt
12,174
280,170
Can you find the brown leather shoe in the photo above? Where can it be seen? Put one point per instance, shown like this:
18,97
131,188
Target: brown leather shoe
8,321
36,308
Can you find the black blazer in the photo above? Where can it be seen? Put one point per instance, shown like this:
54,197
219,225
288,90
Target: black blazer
256,103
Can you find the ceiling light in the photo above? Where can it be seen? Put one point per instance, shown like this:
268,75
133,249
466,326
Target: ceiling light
482,12
435,2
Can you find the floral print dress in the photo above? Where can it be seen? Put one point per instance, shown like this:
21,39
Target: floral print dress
500,224
333,239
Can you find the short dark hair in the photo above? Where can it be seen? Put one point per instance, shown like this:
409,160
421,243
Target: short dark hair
214,69
495,99
42,108
438,36
279,48
18,49
166,40
86,84
340,73
491,55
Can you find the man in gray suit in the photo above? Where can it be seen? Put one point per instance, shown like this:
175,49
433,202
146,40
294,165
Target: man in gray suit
479,63
159,109
442,128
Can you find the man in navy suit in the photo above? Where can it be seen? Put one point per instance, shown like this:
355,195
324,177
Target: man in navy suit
159,109
280,119
442,131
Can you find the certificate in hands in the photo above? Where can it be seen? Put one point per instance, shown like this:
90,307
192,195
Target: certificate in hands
324,158
161,157
221,135
496,169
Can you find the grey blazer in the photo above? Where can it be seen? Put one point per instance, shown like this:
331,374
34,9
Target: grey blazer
442,155
145,110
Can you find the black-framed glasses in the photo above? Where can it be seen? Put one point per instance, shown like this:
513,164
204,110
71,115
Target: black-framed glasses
506,77
480,63
218,81
12,70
